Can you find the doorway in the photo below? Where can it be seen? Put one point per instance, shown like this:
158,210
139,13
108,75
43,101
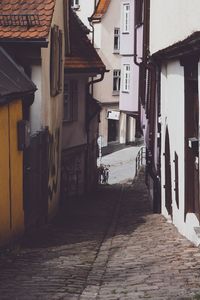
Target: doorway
191,133
168,185
113,126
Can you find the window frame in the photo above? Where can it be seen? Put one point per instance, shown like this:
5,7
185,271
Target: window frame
116,81
126,18
75,4
126,78
116,46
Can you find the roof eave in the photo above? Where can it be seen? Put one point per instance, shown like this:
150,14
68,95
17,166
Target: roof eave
188,46
86,70
42,42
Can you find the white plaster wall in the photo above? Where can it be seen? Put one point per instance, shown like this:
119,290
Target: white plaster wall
103,90
103,126
172,21
126,39
129,100
97,35
172,112
74,133
130,129
122,128
86,9
36,107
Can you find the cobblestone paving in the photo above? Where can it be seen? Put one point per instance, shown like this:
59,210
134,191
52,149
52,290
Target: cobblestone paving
109,246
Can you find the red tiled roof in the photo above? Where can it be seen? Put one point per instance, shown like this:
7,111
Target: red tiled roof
100,10
25,19
83,56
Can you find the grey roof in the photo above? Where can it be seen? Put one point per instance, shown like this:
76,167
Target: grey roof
13,80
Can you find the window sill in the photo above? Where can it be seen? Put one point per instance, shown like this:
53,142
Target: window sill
126,92
67,121
116,51
127,32
115,93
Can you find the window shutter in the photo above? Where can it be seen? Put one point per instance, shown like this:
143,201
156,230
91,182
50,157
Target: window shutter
56,61
60,71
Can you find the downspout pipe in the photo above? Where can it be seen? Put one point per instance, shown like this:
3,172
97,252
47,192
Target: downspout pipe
88,128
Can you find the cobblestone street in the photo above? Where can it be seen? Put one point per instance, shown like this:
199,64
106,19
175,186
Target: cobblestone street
109,246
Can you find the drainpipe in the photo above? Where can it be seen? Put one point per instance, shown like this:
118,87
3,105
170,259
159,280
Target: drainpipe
92,31
92,82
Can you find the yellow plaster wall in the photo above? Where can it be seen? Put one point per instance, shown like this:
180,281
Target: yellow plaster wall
4,176
11,174
16,175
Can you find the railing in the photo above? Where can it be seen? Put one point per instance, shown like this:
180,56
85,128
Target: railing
140,160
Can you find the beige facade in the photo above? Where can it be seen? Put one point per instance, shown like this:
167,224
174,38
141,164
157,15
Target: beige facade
47,110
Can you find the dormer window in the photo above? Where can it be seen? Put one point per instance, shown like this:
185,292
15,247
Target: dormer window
75,4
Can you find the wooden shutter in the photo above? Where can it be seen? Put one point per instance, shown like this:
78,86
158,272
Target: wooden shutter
176,189
60,69
56,61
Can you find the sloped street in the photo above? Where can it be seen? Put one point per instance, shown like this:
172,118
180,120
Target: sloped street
108,246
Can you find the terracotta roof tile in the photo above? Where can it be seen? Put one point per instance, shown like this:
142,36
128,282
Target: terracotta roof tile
83,56
100,10
13,24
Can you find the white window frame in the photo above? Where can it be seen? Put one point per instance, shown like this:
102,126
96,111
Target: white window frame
126,78
75,4
126,17
116,40
116,81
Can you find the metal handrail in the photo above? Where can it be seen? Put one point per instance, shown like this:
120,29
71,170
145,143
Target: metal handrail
140,160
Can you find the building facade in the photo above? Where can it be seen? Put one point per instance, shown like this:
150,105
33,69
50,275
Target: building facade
172,110
81,112
107,42
36,43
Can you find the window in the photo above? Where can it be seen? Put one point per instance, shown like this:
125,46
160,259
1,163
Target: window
70,112
116,40
138,12
56,67
116,81
126,18
75,4
126,78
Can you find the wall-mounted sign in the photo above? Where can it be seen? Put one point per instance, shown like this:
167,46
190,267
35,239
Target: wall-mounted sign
113,115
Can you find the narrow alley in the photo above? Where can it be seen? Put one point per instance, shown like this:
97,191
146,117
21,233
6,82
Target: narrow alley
108,246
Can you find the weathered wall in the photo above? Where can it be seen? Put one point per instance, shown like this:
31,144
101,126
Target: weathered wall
47,111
